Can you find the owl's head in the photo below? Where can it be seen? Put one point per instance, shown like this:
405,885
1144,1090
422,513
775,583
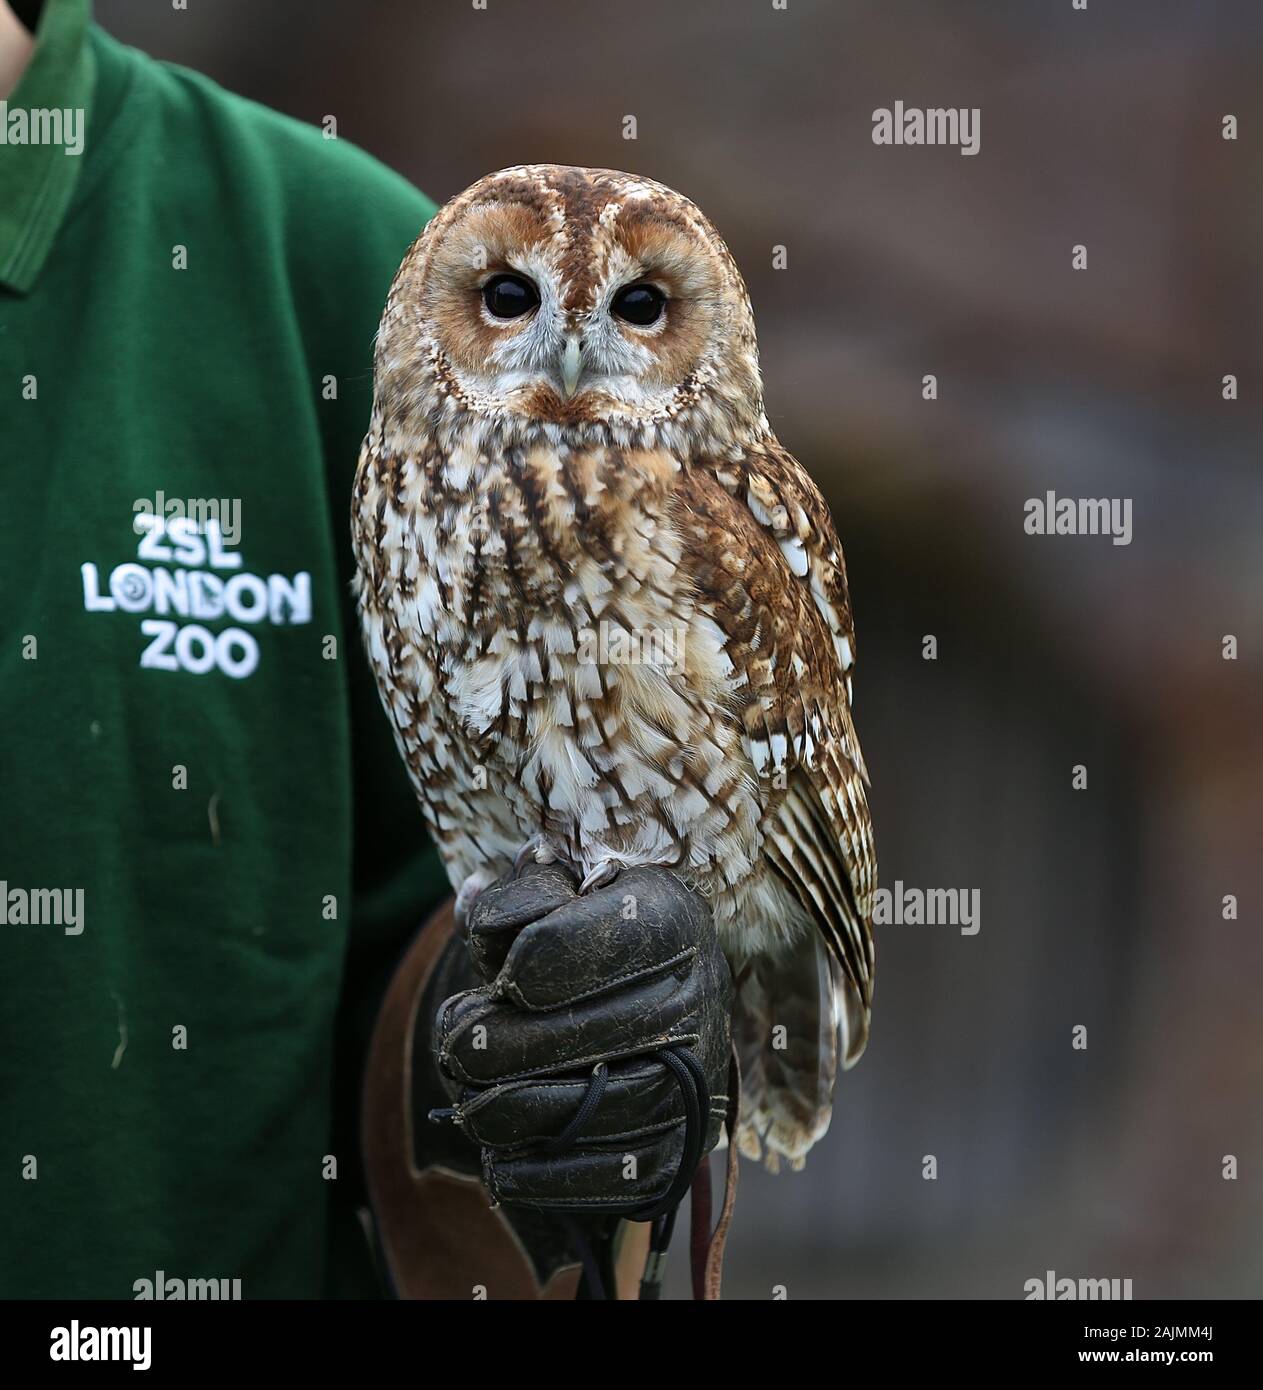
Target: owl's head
592,301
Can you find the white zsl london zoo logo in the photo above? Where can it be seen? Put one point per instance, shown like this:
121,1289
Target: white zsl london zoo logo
191,574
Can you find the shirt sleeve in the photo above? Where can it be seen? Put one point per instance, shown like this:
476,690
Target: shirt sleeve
368,218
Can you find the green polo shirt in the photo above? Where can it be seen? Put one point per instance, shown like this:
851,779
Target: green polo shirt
208,850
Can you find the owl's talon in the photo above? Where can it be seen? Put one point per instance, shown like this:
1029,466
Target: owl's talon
601,876
467,892
536,850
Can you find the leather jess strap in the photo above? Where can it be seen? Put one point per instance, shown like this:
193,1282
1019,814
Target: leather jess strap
706,1246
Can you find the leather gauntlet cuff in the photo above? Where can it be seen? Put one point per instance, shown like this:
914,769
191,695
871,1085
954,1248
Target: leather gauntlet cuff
438,1233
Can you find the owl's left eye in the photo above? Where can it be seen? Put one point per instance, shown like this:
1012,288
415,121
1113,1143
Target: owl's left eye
639,304
509,296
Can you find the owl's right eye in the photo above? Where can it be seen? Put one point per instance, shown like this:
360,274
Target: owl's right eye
509,296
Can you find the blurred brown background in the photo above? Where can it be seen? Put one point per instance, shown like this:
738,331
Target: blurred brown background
1100,907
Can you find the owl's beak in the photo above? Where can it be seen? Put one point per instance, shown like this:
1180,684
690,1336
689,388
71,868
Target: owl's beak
571,365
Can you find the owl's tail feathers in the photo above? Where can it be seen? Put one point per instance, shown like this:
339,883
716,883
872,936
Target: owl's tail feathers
789,1027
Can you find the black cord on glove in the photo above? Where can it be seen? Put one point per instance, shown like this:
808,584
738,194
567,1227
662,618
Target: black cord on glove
691,1079
587,1107
695,1092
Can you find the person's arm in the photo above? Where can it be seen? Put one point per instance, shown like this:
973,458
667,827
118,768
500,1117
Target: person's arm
399,881
398,878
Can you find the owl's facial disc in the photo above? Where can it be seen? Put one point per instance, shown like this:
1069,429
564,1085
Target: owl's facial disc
584,297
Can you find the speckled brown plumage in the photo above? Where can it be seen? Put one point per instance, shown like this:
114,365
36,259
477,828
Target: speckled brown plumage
608,612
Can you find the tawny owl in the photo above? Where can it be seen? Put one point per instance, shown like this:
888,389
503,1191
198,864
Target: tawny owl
607,610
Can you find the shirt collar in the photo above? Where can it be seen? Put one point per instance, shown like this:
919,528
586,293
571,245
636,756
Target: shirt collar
52,99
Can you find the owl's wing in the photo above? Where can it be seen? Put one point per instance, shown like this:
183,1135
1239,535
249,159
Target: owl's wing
767,562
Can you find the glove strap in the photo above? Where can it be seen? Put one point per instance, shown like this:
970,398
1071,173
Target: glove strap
706,1247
